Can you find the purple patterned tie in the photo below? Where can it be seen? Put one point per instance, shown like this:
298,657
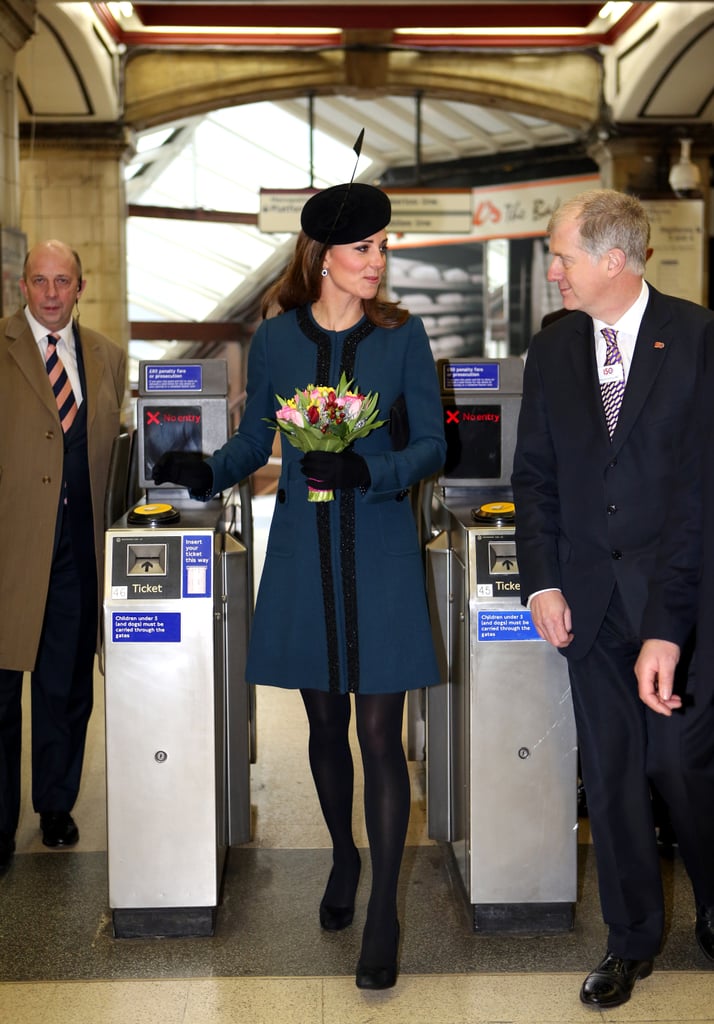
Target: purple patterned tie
612,391
66,403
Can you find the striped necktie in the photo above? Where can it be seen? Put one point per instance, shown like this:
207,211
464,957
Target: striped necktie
64,396
612,391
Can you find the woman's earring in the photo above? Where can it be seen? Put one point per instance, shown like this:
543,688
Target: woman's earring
324,271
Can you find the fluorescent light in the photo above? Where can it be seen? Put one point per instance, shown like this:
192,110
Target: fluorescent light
613,9
503,30
243,30
121,10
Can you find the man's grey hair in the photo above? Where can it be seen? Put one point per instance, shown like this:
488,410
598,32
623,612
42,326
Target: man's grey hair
608,219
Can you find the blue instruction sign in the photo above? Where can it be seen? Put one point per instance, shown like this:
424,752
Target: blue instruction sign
170,377
471,376
146,627
197,555
505,625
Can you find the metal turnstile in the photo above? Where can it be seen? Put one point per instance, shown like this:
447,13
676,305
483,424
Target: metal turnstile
502,757
177,609
501,743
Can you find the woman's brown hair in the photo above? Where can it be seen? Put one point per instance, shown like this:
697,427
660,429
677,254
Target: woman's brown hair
300,284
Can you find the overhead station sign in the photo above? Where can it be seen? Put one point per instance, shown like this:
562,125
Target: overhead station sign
523,210
444,213
414,211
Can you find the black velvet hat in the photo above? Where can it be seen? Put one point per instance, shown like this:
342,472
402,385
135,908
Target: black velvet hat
345,213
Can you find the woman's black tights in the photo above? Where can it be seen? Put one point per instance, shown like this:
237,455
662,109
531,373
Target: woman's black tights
386,802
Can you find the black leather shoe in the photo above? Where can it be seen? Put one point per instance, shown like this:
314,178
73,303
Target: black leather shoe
7,849
378,976
612,981
704,930
58,829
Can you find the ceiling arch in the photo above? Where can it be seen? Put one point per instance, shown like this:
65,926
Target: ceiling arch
661,71
84,65
564,87
69,70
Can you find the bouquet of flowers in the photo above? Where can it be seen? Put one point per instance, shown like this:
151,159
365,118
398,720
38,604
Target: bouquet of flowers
326,419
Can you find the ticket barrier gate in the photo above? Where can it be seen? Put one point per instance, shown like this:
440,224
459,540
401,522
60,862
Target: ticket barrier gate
177,608
501,744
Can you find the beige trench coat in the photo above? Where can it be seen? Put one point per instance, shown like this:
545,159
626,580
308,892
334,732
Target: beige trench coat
31,455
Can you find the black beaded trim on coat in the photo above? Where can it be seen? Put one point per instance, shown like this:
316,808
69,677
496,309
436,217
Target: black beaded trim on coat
347,518
310,329
322,511
349,585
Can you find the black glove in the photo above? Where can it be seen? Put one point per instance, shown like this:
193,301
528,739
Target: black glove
329,470
187,469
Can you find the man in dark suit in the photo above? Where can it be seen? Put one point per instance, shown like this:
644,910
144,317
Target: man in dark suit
61,392
600,436
679,613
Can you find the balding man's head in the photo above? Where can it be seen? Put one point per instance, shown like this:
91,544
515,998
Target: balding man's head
51,283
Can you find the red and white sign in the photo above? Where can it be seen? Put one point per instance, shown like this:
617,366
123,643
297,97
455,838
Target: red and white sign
523,210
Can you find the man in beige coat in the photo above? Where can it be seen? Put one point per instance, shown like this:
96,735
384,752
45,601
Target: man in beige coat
61,391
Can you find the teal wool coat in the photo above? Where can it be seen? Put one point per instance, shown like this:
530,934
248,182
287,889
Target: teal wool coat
341,604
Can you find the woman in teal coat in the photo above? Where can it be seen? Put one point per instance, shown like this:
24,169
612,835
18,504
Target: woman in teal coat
341,607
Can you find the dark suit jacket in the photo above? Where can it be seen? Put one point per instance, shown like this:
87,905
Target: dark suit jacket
682,588
590,511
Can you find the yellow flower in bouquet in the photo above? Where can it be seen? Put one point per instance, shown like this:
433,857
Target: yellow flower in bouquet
326,419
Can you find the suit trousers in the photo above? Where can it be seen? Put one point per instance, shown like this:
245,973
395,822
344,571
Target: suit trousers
623,747
612,738
680,763
62,691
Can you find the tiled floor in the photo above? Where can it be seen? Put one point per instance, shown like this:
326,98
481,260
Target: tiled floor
268,961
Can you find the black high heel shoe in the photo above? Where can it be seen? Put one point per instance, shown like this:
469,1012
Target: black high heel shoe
332,918
378,976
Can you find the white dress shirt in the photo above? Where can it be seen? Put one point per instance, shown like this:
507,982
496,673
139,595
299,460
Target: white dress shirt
627,327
